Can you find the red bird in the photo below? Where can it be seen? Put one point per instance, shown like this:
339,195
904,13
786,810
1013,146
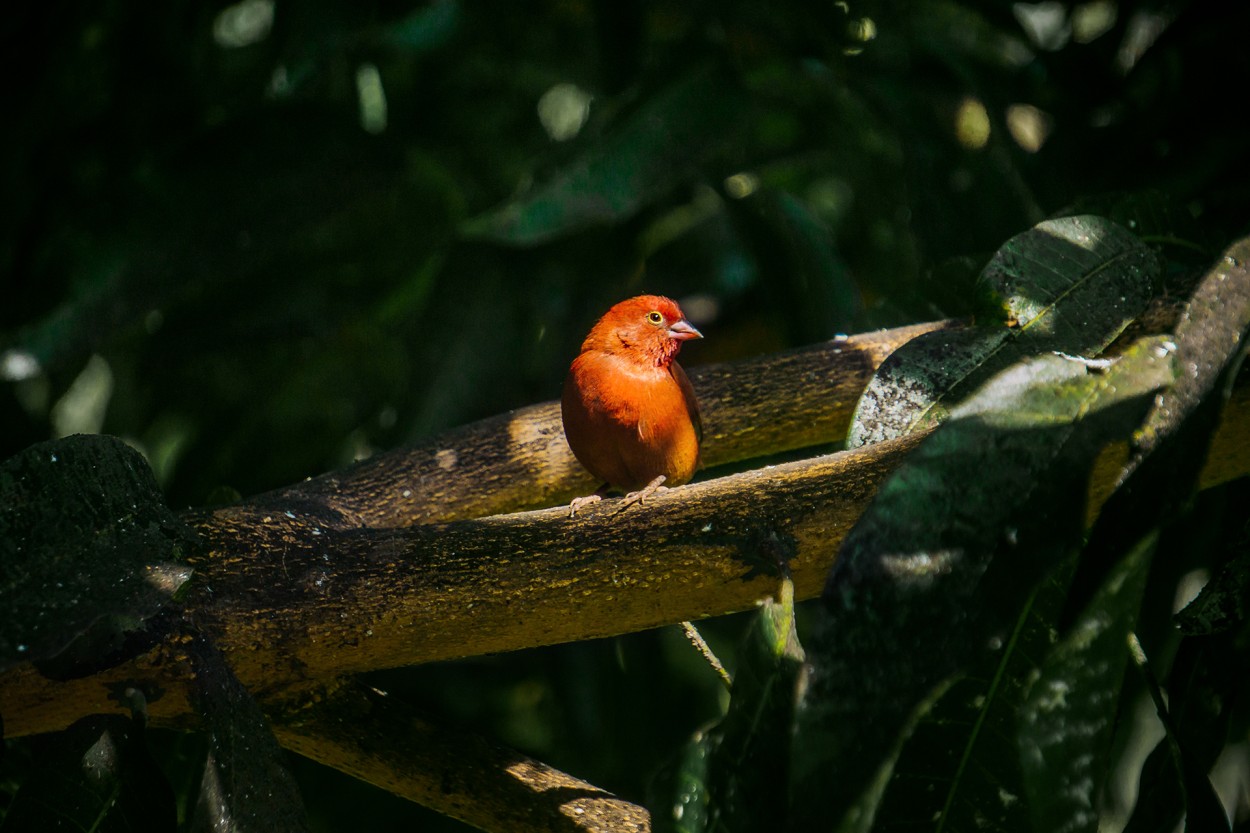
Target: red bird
629,411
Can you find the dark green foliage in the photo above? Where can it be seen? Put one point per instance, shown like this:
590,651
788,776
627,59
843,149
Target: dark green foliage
735,775
217,245
1070,285
246,786
88,553
95,777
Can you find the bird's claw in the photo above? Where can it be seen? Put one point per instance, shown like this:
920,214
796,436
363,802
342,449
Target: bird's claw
642,494
581,502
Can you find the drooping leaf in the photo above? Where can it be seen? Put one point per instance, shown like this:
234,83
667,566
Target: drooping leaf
1171,449
1201,806
939,567
1221,605
88,552
1069,285
735,775
654,151
960,767
96,777
246,786
912,380
1068,717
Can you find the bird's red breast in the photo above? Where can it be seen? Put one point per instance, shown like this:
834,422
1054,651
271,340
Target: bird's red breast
629,411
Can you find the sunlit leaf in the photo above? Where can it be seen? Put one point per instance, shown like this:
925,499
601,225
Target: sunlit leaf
1171,448
1070,285
936,571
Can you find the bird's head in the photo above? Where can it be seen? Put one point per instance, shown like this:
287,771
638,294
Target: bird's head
649,328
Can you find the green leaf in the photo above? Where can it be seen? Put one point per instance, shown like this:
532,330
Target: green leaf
1070,285
1161,475
1068,718
662,146
1221,605
736,774
246,787
960,767
98,777
1202,808
88,552
934,575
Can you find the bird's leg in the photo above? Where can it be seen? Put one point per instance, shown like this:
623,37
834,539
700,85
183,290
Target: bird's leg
643,493
587,500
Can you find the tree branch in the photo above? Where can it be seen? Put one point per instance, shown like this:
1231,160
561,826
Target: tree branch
362,570
368,735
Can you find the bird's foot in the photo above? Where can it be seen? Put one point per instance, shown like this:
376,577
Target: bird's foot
642,494
582,502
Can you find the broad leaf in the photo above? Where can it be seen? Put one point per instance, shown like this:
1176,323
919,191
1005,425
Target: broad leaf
735,775
936,572
88,552
1222,603
246,787
96,777
1067,720
1171,449
960,767
1070,285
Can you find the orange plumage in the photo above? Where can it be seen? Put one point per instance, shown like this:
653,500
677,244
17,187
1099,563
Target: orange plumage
629,411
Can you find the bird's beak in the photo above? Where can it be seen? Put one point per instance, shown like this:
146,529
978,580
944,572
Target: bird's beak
682,330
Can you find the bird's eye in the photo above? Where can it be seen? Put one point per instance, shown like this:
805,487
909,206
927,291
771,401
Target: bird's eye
655,317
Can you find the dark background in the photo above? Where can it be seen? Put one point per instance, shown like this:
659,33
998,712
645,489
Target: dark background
218,246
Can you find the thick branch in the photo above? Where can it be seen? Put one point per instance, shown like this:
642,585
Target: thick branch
365,734
519,460
291,601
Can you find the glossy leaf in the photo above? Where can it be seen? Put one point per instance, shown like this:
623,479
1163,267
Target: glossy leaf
1070,285
936,572
1161,475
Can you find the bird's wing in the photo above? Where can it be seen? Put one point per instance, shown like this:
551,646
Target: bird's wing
687,392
